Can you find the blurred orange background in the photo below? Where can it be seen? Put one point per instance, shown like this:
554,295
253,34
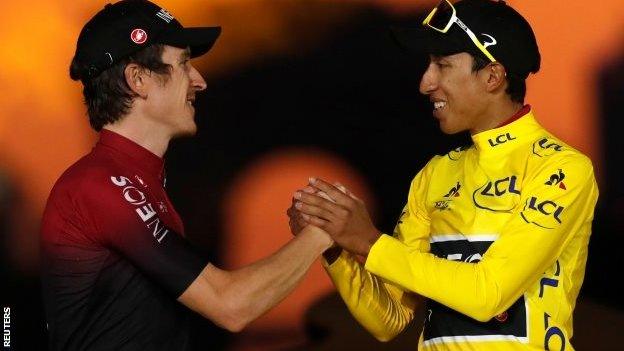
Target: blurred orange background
43,125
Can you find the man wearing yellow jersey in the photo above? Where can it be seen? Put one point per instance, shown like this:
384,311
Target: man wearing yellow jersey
493,239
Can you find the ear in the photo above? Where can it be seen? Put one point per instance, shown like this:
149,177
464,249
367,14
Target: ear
136,79
496,77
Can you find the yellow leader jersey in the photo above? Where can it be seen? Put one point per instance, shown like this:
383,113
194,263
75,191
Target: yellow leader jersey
494,236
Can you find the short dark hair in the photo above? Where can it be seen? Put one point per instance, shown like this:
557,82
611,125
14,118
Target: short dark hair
516,86
108,96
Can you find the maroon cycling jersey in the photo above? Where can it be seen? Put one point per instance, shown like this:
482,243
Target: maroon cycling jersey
114,255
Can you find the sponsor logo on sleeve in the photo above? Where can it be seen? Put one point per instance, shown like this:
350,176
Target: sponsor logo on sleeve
546,147
556,179
143,208
443,204
498,195
542,213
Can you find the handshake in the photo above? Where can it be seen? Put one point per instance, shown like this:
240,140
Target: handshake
335,210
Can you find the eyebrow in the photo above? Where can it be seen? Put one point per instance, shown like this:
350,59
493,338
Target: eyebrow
185,54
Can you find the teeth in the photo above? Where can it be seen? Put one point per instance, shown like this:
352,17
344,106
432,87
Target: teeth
439,104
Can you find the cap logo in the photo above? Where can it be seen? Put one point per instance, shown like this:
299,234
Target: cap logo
164,15
491,42
138,36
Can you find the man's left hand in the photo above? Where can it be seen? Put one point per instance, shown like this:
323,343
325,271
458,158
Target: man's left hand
345,218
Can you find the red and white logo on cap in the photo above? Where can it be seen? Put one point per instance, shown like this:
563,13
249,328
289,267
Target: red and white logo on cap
139,36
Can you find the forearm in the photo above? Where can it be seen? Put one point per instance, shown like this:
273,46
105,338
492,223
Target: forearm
254,289
382,309
466,288
478,290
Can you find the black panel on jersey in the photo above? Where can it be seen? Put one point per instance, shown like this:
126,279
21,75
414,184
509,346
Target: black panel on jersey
442,321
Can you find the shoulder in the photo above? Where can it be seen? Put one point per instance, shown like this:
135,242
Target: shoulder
548,152
439,167
450,158
557,170
442,162
75,199
89,180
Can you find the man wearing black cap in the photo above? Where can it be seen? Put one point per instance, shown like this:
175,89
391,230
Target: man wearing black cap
114,254
493,238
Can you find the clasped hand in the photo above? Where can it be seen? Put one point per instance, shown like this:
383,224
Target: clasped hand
337,211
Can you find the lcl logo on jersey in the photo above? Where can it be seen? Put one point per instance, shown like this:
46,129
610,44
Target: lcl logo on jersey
546,147
545,214
501,139
491,197
444,203
557,179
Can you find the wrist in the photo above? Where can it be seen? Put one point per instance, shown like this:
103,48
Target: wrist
322,239
371,241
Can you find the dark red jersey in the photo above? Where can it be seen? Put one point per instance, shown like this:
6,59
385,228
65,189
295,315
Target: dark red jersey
114,255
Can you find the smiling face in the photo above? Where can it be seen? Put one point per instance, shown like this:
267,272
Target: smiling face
458,95
171,98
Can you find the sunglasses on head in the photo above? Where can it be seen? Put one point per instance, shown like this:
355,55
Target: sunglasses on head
443,16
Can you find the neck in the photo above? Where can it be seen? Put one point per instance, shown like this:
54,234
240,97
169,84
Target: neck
496,114
143,132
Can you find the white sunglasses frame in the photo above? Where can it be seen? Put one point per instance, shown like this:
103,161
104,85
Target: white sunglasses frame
455,20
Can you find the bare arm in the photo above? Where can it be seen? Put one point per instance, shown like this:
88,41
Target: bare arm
232,299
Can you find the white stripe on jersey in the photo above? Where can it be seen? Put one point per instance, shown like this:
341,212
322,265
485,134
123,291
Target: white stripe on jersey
456,237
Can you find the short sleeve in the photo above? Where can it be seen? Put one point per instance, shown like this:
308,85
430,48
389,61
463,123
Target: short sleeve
134,230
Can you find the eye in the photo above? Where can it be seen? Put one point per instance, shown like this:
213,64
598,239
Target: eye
186,64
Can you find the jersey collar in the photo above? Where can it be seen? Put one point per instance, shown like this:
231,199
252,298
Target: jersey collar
139,156
511,134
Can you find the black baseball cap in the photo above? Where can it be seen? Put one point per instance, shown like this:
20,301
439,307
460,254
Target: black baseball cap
508,36
127,26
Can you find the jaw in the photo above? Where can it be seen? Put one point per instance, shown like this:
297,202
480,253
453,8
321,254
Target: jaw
450,121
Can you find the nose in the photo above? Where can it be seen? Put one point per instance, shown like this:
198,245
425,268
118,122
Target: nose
197,81
429,80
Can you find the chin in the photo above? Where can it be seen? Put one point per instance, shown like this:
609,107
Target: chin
450,128
447,129
186,131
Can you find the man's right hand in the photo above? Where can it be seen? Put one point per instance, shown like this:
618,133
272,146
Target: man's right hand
296,220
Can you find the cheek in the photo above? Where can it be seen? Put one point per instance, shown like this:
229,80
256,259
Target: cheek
465,91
